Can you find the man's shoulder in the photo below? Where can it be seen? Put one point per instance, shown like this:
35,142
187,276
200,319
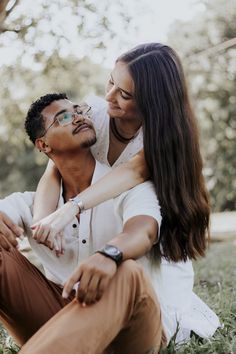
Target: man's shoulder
140,200
18,206
26,197
140,189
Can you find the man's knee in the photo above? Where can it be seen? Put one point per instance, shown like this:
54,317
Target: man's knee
131,271
130,266
11,262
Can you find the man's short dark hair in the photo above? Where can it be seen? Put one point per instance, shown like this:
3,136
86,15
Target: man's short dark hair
34,122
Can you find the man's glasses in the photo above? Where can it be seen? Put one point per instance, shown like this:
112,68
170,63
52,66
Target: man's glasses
66,118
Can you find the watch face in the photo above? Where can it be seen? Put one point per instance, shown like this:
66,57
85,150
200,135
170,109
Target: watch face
112,250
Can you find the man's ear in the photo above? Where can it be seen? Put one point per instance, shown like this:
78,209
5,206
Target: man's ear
41,145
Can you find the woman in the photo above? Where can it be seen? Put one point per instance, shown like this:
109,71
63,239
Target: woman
148,104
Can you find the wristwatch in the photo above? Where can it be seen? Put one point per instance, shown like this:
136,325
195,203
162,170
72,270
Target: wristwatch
78,202
112,252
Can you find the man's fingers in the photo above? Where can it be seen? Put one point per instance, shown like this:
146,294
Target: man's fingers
71,282
8,234
92,290
4,243
15,229
83,286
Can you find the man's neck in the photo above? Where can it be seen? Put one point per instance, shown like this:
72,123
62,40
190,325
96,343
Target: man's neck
76,171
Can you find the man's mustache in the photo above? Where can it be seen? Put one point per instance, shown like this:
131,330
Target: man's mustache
82,125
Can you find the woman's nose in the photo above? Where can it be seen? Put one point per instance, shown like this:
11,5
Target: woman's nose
111,94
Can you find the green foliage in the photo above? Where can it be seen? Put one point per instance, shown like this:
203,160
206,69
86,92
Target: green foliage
7,346
214,283
211,73
46,46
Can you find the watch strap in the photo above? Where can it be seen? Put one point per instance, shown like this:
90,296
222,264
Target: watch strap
117,258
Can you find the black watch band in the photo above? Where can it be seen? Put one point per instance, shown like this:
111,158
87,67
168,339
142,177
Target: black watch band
112,252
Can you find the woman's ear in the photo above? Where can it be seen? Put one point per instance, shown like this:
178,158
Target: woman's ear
41,145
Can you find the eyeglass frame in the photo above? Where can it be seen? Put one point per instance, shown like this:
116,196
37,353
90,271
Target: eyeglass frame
72,114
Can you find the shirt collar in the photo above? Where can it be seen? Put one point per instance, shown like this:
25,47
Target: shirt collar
99,171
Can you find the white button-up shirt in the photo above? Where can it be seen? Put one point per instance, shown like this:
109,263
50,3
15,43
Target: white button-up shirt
96,226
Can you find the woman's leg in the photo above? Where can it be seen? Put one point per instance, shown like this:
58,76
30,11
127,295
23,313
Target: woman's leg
127,319
27,298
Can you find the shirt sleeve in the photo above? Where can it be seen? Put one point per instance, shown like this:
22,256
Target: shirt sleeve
140,200
18,207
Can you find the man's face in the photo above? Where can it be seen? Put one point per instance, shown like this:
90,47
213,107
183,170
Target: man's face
77,134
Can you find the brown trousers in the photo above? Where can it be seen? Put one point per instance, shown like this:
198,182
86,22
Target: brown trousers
126,320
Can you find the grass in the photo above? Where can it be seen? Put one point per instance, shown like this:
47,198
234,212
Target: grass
215,283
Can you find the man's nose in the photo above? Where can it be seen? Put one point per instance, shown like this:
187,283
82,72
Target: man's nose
77,118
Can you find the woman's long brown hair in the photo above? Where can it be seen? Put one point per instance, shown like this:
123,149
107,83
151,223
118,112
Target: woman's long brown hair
172,153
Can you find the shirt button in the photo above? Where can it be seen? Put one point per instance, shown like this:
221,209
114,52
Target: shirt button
74,226
83,241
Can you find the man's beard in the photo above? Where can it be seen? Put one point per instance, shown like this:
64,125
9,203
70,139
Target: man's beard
90,142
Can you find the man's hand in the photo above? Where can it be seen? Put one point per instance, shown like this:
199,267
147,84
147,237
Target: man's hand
94,276
8,232
49,230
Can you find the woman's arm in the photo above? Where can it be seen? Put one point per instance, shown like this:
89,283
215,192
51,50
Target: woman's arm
47,193
119,180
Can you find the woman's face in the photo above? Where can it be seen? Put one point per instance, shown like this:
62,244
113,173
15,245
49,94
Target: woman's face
120,94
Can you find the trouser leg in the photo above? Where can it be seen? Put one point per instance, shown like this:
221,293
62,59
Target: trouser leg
126,319
27,298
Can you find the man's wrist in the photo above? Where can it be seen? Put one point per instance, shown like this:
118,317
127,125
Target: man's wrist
112,252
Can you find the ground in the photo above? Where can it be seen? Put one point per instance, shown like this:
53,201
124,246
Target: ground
215,283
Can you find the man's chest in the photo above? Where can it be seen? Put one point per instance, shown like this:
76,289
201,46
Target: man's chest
94,229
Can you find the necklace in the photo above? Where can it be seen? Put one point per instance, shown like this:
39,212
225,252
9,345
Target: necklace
117,134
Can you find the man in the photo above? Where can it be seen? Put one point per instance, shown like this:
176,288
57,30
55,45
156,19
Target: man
115,308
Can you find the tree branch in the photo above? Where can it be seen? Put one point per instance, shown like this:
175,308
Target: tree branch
5,13
13,6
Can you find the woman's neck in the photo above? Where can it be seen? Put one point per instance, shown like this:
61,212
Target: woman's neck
127,128
118,142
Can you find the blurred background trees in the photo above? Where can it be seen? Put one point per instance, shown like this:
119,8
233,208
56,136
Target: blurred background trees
53,49
208,50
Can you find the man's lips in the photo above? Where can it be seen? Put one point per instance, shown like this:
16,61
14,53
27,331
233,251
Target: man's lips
80,127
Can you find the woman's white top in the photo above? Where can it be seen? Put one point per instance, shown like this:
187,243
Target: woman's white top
181,308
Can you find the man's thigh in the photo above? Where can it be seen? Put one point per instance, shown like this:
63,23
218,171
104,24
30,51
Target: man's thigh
27,298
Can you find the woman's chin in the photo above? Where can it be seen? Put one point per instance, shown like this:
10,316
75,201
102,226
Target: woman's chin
115,112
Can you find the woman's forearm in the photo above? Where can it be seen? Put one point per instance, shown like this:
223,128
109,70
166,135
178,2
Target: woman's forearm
117,181
47,193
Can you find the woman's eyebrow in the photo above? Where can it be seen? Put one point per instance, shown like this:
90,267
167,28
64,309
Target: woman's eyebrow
126,92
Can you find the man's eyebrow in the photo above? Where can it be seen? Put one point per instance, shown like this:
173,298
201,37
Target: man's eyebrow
58,113
126,92
64,110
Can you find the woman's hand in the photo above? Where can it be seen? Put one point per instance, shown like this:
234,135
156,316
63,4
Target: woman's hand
49,230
